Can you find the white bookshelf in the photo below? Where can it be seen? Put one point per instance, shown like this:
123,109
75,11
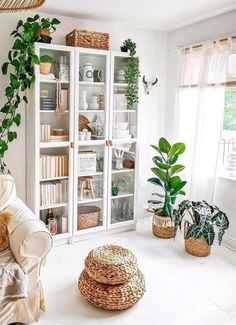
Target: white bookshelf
125,202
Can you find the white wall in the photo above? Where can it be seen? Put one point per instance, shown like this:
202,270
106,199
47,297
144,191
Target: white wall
214,28
152,50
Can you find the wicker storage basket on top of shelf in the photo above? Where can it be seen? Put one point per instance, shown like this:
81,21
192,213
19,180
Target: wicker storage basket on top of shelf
111,264
87,39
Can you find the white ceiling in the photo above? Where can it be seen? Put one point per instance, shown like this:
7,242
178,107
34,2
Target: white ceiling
162,15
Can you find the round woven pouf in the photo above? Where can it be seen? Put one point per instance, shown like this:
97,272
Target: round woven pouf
111,264
112,297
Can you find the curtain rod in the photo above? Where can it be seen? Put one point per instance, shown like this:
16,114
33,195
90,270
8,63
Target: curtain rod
199,44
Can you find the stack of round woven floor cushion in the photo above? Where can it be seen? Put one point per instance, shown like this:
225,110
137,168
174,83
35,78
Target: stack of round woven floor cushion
111,278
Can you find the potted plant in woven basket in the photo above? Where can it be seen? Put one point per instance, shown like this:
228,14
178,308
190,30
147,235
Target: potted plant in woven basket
199,229
170,184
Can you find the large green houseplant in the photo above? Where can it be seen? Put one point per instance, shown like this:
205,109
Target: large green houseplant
169,183
201,221
20,66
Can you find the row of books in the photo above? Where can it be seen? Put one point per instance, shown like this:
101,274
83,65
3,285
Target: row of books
53,166
53,192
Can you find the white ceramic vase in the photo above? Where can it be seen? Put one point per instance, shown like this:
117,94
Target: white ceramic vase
84,104
94,105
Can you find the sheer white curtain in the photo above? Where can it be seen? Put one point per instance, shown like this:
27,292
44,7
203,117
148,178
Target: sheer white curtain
200,109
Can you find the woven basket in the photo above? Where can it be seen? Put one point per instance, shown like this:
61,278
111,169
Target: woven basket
87,39
110,297
197,247
88,216
111,264
162,227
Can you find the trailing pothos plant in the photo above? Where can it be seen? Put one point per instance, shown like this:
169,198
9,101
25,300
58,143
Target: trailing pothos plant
20,66
131,74
166,179
203,220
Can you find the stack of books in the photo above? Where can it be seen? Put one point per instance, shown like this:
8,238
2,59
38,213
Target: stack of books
45,133
53,192
52,166
47,104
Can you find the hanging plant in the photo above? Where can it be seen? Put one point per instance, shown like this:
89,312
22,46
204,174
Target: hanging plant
20,65
131,74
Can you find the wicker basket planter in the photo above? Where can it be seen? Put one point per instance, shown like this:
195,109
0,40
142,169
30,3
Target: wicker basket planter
197,247
88,39
111,264
162,227
109,297
88,216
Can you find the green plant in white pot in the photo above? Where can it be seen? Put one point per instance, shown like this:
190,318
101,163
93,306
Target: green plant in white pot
46,62
169,183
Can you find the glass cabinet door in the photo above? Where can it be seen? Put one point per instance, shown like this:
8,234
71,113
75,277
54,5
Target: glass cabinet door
91,119
55,112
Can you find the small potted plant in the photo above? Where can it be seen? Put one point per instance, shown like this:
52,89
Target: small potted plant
46,62
199,228
47,28
172,185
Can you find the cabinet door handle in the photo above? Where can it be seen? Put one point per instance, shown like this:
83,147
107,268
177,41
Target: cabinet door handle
110,143
72,145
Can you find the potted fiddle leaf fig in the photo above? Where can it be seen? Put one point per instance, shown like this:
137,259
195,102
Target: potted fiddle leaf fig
199,228
169,183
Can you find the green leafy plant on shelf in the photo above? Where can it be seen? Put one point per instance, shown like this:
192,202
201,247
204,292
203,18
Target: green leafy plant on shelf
46,59
131,74
20,67
203,218
166,179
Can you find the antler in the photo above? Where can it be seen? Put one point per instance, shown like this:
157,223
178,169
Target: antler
154,82
144,81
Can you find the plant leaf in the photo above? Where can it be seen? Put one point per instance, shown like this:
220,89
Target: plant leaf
164,145
177,149
158,172
35,59
209,234
155,181
155,202
5,67
173,159
163,166
175,169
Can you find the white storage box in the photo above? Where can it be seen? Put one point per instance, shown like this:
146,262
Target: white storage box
86,162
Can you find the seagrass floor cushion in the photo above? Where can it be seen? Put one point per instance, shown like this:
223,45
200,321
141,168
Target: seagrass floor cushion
112,297
111,264
111,278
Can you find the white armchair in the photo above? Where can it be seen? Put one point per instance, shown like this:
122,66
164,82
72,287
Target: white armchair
30,242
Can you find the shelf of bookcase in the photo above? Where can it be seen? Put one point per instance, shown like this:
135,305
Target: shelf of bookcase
124,111
90,174
124,170
50,111
61,236
53,178
55,205
90,83
117,84
121,196
59,144
53,81
91,111
90,200
91,143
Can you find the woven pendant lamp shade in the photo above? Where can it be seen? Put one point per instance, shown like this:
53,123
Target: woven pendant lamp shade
19,5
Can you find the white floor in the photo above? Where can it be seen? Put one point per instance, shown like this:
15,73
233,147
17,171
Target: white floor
181,289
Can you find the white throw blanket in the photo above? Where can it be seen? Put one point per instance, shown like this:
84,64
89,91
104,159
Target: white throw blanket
13,280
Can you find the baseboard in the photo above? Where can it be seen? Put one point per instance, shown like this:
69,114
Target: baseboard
229,242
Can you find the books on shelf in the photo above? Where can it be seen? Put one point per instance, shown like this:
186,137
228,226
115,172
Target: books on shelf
87,162
53,166
46,136
45,133
53,192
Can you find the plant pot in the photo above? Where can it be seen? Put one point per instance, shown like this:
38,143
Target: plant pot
115,191
44,32
124,49
162,226
45,67
45,39
197,247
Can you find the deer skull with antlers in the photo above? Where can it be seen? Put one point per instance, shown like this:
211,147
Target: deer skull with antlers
148,85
